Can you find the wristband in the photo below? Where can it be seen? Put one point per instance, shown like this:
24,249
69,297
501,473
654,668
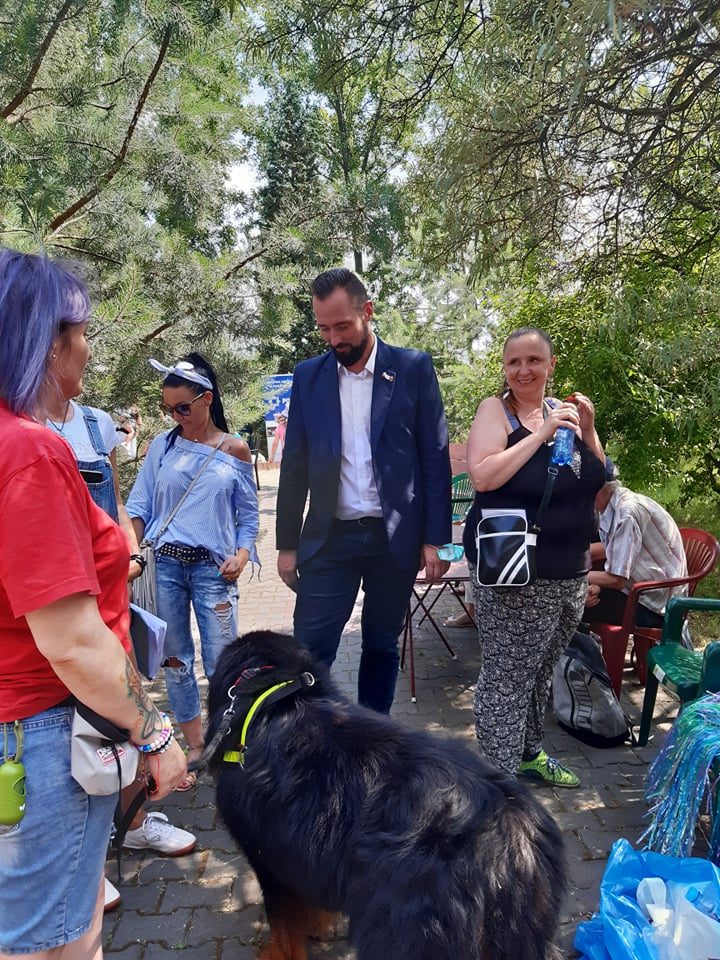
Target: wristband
139,559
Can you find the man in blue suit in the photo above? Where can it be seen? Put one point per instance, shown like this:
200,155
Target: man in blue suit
366,436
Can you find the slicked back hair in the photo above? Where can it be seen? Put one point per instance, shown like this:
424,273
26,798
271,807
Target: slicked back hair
38,299
339,278
527,332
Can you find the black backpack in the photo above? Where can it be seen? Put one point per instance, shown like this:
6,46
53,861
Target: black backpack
583,698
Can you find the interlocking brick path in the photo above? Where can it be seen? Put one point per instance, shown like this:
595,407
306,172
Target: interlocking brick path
207,906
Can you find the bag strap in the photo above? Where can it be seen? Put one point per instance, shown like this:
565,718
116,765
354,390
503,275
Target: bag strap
183,498
123,818
552,473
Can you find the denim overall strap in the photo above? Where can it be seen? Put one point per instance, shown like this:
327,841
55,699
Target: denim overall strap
93,430
103,493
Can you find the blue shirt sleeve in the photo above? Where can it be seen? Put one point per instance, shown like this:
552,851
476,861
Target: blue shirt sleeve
247,517
140,502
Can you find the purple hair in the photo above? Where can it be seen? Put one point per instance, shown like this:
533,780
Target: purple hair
37,298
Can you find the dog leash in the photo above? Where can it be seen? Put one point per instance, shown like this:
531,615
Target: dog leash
233,718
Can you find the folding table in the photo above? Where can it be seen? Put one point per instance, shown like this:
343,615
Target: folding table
458,573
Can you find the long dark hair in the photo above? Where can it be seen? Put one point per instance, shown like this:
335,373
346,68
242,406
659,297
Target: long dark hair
505,393
205,369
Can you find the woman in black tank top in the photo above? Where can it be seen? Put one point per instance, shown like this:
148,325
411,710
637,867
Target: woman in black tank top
524,630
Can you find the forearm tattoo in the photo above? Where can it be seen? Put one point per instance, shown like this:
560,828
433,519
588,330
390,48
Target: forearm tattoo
151,719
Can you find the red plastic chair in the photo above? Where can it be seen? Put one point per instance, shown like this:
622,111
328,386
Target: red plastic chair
702,553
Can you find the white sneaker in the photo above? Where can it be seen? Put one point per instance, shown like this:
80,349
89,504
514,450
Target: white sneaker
157,833
112,896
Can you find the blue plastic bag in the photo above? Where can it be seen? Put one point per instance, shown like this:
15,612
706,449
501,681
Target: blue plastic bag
620,931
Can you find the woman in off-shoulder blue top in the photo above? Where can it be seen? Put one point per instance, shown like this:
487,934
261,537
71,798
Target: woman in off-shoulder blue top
203,550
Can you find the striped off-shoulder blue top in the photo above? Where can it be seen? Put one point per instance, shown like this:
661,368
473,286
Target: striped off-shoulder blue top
221,512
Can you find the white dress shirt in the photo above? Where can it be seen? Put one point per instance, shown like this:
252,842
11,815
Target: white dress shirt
357,493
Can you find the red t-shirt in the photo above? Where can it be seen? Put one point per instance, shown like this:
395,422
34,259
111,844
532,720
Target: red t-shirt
54,542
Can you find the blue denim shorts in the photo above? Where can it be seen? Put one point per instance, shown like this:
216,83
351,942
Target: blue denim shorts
52,861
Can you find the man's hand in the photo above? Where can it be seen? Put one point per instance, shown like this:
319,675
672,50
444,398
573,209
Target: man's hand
593,595
287,568
434,567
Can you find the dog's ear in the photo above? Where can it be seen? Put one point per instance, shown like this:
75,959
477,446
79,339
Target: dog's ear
262,648
277,656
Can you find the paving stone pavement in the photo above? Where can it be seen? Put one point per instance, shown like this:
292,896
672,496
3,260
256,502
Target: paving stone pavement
208,906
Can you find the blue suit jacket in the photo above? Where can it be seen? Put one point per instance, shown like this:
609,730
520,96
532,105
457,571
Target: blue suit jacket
409,442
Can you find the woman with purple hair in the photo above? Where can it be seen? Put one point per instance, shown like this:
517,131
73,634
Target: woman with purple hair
63,609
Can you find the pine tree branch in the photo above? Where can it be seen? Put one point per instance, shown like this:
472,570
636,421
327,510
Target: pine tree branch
87,252
243,263
157,331
113,169
264,249
27,88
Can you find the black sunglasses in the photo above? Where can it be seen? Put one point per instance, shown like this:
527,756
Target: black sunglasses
182,409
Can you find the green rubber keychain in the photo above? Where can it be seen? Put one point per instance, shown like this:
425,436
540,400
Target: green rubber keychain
12,780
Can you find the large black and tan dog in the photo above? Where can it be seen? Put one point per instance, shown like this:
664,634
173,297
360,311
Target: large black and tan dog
430,852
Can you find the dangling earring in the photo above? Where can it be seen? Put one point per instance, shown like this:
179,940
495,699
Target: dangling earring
505,389
549,386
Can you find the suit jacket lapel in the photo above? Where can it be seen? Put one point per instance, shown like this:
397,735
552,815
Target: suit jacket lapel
330,400
383,386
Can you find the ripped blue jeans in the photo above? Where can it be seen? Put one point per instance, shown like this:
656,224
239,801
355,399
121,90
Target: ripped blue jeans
214,602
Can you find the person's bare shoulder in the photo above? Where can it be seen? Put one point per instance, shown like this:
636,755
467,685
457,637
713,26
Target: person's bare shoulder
491,408
237,448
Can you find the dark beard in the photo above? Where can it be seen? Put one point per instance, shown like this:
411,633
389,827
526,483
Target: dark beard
354,354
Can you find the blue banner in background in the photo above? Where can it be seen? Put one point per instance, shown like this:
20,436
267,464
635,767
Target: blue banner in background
277,406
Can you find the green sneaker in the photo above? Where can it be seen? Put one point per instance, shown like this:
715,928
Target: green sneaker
546,770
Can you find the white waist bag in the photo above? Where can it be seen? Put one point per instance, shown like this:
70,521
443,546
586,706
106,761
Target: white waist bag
102,759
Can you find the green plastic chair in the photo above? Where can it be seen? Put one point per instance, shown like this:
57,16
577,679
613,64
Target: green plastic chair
683,672
463,494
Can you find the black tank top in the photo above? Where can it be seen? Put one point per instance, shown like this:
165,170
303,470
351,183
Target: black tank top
568,523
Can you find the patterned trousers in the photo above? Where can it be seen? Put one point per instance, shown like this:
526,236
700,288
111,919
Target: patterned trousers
523,631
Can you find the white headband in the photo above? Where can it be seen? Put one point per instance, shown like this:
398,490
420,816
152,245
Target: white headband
183,369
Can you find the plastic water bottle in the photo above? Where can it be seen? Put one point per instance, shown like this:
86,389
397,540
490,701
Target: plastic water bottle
450,551
708,906
562,451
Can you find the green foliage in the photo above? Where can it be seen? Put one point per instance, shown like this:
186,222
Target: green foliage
117,126
483,168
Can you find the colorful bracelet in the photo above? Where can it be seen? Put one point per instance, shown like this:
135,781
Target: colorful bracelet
162,749
162,741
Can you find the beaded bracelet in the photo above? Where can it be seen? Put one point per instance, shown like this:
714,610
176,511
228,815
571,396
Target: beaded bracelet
162,749
139,560
162,741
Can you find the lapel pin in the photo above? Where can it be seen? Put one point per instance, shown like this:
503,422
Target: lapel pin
390,377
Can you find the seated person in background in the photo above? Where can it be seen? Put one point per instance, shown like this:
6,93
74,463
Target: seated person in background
639,540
